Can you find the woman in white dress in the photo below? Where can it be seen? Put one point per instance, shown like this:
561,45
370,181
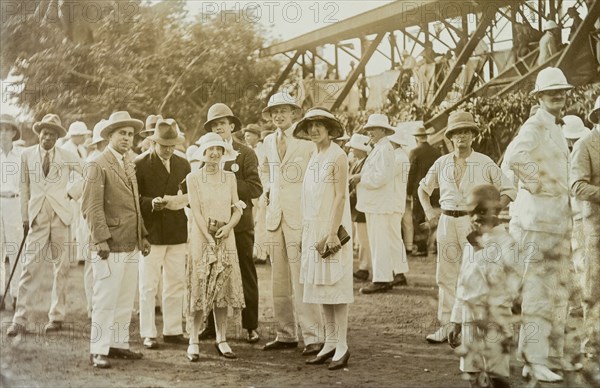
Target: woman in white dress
213,271
326,206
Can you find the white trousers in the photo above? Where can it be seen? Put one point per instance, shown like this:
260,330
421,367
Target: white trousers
364,248
545,296
115,282
387,249
11,235
408,230
452,240
261,236
171,258
288,307
47,252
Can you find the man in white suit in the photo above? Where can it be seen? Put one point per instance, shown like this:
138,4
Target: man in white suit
287,158
11,227
47,215
76,135
540,160
377,198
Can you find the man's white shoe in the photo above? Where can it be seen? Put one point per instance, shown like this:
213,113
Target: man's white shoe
440,336
541,373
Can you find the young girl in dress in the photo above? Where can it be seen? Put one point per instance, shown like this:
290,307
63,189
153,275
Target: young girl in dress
214,279
326,206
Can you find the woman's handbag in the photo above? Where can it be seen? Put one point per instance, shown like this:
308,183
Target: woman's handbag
342,235
214,226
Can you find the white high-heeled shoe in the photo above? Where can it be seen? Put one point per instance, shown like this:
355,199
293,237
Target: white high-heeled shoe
541,373
193,352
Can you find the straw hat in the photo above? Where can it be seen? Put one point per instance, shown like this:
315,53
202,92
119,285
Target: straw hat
119,120
334,127
11,121
574,127
78,128
551,78
213,140
166,133
96,133
594,116
50,121
150,125
461,120
360,142
278,99
252,128
379,120
399,138
220,110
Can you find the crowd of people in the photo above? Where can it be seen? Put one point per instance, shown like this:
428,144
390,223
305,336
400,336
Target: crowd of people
188,227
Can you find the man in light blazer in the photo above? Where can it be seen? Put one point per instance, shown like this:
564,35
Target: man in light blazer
288,158
540,160
47,214
585,187
112,211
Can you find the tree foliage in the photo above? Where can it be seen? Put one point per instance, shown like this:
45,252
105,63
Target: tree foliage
132,56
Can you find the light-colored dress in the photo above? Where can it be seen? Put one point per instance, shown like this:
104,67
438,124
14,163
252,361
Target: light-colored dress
329,280
213,277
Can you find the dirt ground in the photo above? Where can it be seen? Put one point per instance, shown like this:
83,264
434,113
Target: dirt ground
386,340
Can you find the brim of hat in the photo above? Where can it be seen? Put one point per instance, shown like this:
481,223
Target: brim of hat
251,131
267,115
472,127
580,132
228,155
37,128
553,87
361,147
334,127
420,133
594,116
236,122
388,130
167,142
136,124
79,133
97,140
145,133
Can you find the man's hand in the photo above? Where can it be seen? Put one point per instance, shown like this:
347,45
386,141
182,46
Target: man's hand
158,204
454,335
354,179
145,247
25,228
103,250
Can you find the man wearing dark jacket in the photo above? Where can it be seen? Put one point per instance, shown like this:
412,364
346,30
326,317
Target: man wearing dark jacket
245,167
421,159
159,174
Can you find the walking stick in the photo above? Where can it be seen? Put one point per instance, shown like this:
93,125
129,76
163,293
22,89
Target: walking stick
12,272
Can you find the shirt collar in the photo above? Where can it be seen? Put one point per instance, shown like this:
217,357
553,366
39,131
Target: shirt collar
382,141
12,151
43,151
288,132
117,154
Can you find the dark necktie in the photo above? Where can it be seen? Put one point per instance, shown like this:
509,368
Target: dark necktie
46,164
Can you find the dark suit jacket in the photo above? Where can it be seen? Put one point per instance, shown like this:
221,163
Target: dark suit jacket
111,204
421,159
248,181
357,216
165,227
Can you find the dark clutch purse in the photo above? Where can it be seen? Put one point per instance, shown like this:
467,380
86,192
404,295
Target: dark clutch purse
324,250
214,226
